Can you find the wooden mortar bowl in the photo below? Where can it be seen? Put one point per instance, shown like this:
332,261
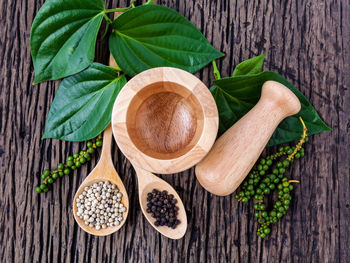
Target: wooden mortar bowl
165,120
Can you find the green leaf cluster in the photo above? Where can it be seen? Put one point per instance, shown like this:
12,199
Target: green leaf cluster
63,39
236,95
62,43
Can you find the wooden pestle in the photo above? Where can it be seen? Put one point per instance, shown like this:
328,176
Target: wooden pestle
234,154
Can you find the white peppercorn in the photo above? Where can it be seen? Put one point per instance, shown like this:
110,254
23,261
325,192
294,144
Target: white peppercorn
99,205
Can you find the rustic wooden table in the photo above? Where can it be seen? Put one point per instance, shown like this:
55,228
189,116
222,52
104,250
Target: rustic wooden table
308,42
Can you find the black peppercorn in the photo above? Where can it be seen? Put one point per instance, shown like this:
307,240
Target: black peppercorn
163,208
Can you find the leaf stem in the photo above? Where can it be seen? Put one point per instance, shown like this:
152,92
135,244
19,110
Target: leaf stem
115,68
149,2
106,30
216,71
109,21
132,3
121,9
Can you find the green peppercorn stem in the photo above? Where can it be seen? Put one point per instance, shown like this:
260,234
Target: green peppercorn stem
303,139
73,162
267,175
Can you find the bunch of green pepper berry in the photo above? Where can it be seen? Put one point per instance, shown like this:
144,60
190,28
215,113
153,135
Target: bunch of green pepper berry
267,175
73,162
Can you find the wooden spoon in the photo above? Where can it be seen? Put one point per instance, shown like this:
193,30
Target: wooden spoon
147,181
104,171
236,151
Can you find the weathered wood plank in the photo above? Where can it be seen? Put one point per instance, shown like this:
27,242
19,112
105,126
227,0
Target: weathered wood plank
305,41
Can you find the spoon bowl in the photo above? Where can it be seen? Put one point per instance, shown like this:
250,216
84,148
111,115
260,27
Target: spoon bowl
104,171
147,182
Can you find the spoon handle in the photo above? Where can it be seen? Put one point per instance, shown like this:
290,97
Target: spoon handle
235,152
106,155
144,177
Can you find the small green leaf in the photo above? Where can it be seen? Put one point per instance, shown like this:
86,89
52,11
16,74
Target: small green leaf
63,37
235,96
250,66
83,104
151,36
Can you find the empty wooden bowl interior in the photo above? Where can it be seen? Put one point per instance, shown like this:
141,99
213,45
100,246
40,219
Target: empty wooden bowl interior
164,120
163,115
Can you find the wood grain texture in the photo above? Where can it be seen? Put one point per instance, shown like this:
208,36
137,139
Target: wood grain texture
306,41
151,123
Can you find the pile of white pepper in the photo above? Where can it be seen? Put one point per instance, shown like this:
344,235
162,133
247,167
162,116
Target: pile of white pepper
100,206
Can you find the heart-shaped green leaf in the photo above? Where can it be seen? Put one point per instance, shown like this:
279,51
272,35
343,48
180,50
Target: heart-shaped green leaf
63,37
83,104
250,66
235,96
151,36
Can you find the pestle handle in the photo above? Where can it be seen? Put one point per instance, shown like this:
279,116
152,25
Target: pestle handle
236,151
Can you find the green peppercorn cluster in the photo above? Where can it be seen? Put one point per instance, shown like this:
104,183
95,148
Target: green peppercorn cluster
73,162
268,175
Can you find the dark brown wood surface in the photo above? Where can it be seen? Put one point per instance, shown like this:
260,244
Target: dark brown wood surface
308,42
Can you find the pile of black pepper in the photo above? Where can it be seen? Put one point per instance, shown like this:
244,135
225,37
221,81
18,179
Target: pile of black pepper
163,208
